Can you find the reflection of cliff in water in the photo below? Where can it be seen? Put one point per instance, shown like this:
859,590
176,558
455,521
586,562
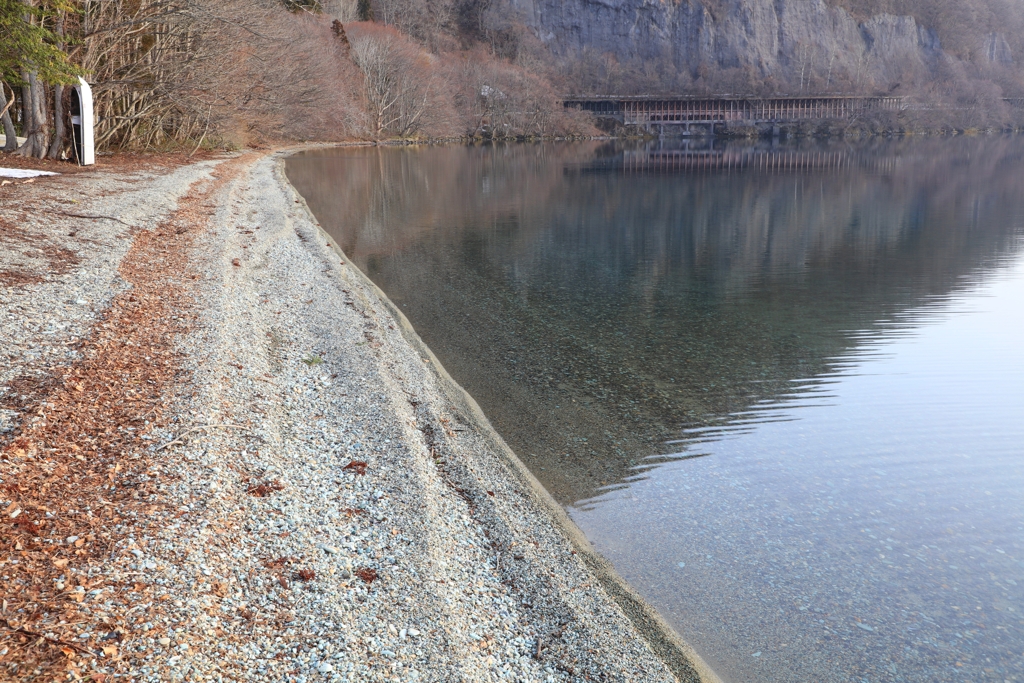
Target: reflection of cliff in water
592,315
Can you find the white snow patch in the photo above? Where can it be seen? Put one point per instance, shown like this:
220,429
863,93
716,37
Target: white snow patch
22,173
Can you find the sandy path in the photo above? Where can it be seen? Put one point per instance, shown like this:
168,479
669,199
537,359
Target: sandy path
308,497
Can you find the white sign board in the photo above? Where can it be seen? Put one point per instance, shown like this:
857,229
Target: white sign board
83,123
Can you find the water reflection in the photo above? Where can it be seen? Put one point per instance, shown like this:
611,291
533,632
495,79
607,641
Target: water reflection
695,156
593,314
779,387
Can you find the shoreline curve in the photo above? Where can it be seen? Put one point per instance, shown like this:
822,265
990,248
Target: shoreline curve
661,638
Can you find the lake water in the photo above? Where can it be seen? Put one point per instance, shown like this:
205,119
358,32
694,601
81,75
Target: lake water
780,387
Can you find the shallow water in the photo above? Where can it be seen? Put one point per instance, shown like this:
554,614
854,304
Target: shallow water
780,388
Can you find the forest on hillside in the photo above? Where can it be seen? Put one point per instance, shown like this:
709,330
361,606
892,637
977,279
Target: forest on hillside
175,73
186,73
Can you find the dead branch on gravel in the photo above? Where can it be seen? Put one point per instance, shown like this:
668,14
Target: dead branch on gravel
85,215
32,634
179,437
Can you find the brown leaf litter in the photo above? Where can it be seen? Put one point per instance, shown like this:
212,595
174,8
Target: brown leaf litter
33,247
73,471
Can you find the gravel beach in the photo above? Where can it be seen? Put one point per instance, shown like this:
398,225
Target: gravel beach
224,455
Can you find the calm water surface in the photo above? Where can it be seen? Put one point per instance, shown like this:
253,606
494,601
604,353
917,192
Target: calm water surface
780,388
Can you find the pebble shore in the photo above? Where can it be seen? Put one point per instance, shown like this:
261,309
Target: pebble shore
319,502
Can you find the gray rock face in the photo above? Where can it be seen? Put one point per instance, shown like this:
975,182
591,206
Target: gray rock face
802,43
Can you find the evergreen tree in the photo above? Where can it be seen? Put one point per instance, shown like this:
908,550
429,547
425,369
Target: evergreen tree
27,46
31,57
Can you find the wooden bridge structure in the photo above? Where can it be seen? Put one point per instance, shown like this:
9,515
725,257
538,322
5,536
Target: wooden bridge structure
657,113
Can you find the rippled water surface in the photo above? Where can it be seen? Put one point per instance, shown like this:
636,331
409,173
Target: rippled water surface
780,388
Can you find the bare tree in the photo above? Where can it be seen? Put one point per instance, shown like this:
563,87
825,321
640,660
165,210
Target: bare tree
503,100
170,72
831,62
397,77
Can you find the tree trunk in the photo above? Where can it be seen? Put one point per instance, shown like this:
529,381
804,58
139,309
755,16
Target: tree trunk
36,125
42,116
28,121
11,143
57,146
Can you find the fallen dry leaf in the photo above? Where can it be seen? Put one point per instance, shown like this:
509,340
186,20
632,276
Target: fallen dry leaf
367,574
357,466
264,489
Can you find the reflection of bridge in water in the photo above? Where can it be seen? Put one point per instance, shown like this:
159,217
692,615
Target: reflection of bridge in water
655,113
732,160
708,159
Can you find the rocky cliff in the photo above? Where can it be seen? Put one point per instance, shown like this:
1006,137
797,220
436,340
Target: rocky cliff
785,45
